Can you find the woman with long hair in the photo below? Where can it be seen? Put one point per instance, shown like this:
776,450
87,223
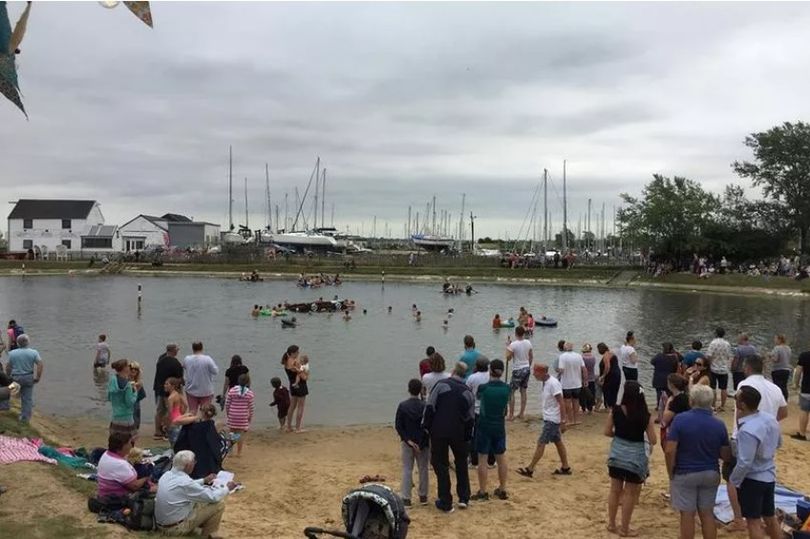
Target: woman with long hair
677,402
698,374
610,376
136,376
122,395
628,462
177,405
299,391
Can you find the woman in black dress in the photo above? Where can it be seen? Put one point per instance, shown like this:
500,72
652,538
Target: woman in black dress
299,391
610,376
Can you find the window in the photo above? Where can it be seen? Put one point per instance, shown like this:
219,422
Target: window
66,224
66,243
134,245
28,244
96,243
28,223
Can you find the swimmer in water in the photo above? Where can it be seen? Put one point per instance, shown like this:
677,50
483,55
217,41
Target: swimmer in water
413,308
445,325
418,316
390,309
255,312
347,316
365,312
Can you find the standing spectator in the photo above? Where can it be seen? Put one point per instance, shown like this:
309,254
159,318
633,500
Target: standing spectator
299,391
199,372
771,402
281,399
449,419
696,441
780,366
122,395
610,375
719,353
25,367
554,422
413,443
232,375
677,403
239,409
102,353
628,463
168,366
436,373
470,354
628,358
136,377
521,354
664,364
474,381
572,374
802,381
754,474
424,365
590,397
743,351
14,331
693,354
490,437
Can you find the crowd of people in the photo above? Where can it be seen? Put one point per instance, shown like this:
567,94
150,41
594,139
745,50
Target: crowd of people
465,412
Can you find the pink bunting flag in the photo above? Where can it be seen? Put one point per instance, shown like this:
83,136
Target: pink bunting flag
142,11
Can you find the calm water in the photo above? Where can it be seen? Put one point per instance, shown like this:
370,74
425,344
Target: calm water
360,368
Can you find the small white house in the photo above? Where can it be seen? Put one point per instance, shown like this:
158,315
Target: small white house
141,232
43,225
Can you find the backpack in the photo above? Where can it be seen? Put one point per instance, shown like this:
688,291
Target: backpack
141,515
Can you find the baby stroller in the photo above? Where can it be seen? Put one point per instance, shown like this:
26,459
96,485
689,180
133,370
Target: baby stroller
372,511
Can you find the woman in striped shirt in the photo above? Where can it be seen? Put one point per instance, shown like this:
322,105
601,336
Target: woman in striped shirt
239,409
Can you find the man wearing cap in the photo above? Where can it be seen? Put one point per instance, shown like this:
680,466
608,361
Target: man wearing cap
490,436
554,422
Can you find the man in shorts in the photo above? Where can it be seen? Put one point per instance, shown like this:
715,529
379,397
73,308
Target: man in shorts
720,355
754,476
554,422
696,441
573,375
490,434
802,379
520,353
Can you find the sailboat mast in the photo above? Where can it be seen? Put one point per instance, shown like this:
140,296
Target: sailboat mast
461,223
588,241
286,213
247,224
230,187
267,193
323,199
565,214
434,214
317,183
545,208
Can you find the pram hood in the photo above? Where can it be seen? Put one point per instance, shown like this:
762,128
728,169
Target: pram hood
383,497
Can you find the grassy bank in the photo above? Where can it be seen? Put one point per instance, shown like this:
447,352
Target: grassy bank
728,281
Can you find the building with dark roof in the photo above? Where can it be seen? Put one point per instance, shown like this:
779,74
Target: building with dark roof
43,224
170,230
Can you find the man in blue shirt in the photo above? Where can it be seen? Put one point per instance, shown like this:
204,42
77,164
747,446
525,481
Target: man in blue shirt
414,443
696,441
758,438
25,367
694,354
470,355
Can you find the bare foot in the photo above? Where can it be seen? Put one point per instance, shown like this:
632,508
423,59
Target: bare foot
628,532
612,528
520,416
299,431
737,526
510,418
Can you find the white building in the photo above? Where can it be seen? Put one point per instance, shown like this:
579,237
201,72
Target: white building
170,230
45,224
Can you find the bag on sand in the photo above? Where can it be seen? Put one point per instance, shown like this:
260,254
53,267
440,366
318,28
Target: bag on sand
107,504
141,514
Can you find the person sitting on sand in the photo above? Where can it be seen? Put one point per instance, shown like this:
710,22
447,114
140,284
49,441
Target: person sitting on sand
115,475
490,431
239,409
413,443
554,422
183,504
496,322
281,399
255,311
628,462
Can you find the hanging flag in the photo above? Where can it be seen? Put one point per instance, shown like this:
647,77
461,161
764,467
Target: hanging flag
142,11
8,70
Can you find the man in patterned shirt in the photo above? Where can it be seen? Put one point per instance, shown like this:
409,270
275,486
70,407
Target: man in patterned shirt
720,355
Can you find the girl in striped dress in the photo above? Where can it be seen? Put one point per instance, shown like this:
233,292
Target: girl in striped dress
239,409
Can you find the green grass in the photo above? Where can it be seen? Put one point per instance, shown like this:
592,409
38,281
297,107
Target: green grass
734,280
65,527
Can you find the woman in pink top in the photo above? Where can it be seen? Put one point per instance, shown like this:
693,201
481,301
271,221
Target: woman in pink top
239,409
116,476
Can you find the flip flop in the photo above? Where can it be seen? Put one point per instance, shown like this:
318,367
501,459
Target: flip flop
798,436
525,472
562,471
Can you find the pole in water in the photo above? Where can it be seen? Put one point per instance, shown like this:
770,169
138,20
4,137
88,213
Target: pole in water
140,294
383,277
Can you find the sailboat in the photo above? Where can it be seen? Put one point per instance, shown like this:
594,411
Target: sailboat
308,239
231,237
432,241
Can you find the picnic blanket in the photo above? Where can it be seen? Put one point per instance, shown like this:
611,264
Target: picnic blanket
784,498
20,449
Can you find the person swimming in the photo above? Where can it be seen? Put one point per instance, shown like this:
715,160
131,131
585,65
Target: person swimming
418,316
255,311
390,309
496,322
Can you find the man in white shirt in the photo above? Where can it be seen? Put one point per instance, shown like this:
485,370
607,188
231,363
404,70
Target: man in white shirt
572,372
199,371
773,403
551,395
183,504
720,355
478,378
520,353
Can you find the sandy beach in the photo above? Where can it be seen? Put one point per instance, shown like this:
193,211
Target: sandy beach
296,480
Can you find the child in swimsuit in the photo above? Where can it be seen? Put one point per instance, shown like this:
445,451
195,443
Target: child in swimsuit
304,367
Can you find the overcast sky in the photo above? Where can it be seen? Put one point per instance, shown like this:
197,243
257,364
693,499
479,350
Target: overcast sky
400,101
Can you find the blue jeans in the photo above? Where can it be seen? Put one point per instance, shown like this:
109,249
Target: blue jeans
26,382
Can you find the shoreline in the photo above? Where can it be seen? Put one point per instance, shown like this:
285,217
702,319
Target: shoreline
605,283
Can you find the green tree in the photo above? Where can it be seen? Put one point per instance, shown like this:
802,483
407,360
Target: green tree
669,217
782,168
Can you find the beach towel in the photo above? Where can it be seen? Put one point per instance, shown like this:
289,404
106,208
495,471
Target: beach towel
20,449
630,456
784,499
67,460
